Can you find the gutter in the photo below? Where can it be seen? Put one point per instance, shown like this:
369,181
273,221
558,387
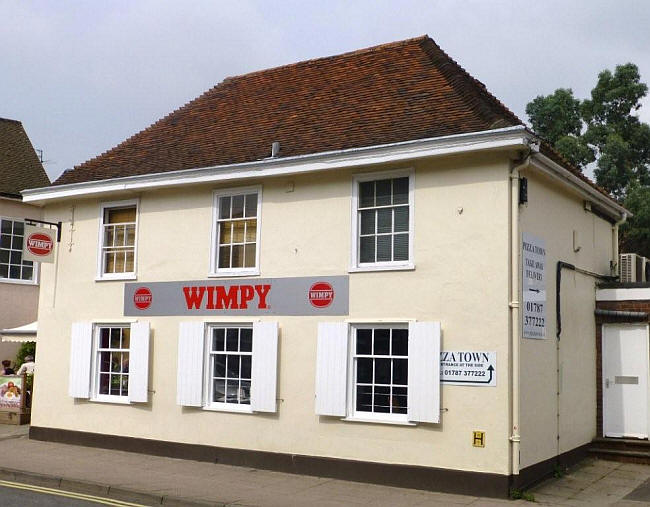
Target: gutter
509,138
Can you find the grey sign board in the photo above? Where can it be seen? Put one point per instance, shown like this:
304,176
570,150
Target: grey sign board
322,295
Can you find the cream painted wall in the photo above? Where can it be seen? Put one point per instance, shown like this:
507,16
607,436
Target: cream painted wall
18,301
552,213
461,279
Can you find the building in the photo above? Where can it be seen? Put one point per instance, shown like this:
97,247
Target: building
342,267
20,168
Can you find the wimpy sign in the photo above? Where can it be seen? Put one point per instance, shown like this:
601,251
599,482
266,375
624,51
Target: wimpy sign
326,295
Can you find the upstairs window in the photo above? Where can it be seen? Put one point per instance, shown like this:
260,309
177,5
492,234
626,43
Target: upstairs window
118,240
237,232
12,265
383,221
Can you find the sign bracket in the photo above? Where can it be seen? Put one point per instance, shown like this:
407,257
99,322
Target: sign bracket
58,225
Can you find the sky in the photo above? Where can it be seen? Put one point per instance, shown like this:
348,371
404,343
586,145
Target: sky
82,76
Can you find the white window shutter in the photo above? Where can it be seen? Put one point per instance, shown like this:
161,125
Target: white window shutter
424,372
139,362
332,369
264,367
81,343
191,346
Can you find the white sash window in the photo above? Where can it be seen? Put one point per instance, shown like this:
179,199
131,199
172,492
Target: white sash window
118,240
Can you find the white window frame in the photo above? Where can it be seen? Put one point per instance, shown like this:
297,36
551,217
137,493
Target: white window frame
355,265
36,268
208,404
131,275
94,365
215,271
352,413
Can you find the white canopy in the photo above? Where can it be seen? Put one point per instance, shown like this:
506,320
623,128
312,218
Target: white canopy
26,333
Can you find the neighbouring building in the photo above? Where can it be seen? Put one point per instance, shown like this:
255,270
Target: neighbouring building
20,168
343,267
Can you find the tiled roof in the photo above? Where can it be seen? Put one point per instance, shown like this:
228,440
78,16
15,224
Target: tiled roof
20,167
395,92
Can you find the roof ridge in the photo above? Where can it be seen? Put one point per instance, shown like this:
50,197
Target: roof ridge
361,51
10,120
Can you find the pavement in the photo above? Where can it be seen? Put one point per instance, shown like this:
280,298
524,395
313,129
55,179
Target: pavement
154,480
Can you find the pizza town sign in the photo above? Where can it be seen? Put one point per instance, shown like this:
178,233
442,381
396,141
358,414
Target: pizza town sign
270,296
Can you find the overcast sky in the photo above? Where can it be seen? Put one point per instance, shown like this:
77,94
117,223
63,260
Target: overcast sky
83,76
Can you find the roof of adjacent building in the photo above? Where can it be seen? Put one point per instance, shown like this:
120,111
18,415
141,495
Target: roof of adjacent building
402,91
20,167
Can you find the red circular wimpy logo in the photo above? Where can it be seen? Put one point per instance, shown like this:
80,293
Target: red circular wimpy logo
142,298
39,244
321,294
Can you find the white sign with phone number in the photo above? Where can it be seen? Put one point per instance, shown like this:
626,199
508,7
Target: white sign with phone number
533,262
468,368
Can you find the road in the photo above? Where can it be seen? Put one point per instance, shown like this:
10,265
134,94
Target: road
13,494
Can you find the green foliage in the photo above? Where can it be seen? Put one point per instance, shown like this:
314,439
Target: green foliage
26,349
520,494
606,130
559,471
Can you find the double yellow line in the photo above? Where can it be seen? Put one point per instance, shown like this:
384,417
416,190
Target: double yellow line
67,494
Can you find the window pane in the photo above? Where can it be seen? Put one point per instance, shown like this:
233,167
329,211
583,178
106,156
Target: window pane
224,256
224,207
218,339
401,247
119,261
251,205
116,362
384,247
246,340
104,362
130,235
382,399
238,232
400,371
367,249
384,220
364,398
237,256
401,219
28,273
4,271
400,190
382,371
399,400
382,337
15,257
232,335
249,252
19,228
246,367
238,206
119,215
219,391
225,235
245,392
4,256
109,236
128,265
5,241
251,231
126,337
368,222
383,192
125,385
5,227
220,365
115,338
232,370
364,370
366,194
125,362
400,342
17,243
14,272
232,390
104,382
364,341
104,337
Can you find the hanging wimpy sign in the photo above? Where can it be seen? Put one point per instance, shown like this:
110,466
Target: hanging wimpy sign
534,286
468,368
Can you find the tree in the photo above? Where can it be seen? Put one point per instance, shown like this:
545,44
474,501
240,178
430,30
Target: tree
606,130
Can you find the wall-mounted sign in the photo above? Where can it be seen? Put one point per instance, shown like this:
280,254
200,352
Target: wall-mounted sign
533,260
38,244
468,368
324,295
11,393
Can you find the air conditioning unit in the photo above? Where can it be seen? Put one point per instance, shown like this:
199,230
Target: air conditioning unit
633,268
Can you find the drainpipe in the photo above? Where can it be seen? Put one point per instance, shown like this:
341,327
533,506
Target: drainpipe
514,308
615,227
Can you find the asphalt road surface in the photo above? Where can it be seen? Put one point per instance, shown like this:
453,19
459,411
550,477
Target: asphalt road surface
24,495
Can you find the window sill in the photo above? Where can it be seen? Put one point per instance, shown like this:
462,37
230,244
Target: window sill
117,400
230,274
407,266
18,282
122,277
234,409
396,422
